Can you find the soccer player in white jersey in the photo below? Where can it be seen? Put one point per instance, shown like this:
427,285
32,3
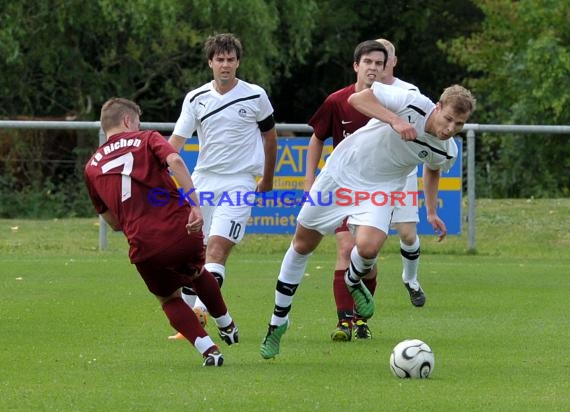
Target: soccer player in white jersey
337,119
406,216
237,145
364,177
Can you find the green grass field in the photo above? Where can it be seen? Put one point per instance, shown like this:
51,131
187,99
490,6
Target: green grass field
80,332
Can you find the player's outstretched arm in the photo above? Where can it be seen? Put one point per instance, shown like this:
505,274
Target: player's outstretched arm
431,184
365,102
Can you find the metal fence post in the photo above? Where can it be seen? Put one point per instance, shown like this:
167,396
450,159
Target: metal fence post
102,223
471,190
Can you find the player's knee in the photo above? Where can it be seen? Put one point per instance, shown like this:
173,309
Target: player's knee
303,246
407,233
305,240
367,249
218,250
164,299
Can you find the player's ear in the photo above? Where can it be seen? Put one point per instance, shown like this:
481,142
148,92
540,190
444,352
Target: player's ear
129,121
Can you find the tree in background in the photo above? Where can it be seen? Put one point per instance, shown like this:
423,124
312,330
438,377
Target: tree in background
65,58
416,29
60,57
519,67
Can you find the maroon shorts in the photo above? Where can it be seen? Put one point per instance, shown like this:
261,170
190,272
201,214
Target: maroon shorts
174,267
343,226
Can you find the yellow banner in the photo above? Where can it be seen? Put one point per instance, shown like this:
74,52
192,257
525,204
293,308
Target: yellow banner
296,182
445,183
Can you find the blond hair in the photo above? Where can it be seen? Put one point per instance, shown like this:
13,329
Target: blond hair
115,109
459,98
389,47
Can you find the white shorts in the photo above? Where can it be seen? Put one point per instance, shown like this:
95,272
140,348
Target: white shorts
222,201
408,211
332,203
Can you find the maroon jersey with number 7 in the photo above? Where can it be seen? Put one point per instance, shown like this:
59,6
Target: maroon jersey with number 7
129,176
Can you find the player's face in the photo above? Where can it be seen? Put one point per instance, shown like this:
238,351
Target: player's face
448,122
369,68
224,66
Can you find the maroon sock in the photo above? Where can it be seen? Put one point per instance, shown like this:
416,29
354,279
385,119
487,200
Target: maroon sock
342,297
208,290
183,319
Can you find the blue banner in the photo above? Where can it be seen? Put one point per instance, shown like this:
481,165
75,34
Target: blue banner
275,212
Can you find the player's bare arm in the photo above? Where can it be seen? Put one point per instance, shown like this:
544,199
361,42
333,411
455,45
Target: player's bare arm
314,153
431,184
270,149
365,102
177,141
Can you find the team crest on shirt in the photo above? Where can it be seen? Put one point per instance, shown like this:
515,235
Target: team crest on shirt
423,154
242,112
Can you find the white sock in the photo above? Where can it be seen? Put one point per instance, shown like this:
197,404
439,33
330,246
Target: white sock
410,263
199,304
292,271
224,320
203,344
190,300
216,268
359,267
293,266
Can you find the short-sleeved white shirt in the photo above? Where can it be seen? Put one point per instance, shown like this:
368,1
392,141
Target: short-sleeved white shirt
228,134
376,154
413,88
404,85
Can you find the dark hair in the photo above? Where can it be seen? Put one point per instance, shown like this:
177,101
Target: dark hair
367,47
222,43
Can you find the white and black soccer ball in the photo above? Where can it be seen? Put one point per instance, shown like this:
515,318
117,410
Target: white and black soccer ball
412,358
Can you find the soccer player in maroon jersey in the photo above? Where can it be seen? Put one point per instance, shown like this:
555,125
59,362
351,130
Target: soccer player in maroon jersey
129,183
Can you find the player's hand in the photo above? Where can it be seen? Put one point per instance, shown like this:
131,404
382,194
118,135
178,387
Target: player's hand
264,185
195,220
405,130
438,226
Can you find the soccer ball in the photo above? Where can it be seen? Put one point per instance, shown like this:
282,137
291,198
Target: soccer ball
412,358
202,315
